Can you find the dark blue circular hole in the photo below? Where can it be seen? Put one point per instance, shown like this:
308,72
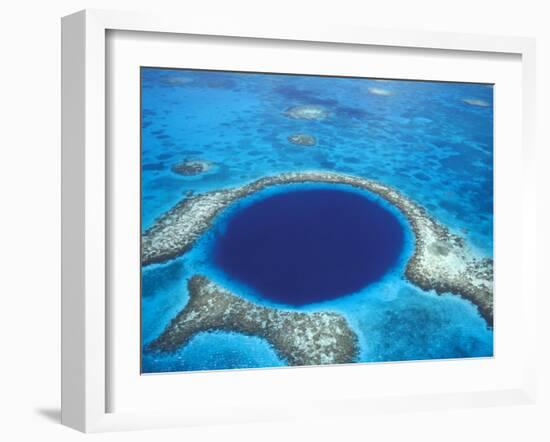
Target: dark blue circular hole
305,246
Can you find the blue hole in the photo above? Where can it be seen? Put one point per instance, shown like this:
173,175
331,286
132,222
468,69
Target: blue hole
305,246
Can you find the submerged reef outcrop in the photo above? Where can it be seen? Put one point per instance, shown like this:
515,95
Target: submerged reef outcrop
175,80
302,139
380,91
307,112
191,167
300,338
476,102
441,261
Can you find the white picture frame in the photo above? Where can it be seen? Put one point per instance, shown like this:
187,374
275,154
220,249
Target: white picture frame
86,207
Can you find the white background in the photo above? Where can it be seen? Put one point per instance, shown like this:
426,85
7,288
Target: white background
29,225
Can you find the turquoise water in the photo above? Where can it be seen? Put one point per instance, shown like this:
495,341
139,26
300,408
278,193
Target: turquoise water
419,137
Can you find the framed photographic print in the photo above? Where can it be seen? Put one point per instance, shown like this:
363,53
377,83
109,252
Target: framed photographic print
250,213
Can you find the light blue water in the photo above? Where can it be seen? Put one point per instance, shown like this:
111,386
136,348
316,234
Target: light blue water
422,139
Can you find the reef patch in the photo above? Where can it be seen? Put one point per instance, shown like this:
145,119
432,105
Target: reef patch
476,102
300,338
441,261
380,91
191,167
302,139
175,80
307,112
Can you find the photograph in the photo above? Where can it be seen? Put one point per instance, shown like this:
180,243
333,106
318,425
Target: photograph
303,220
253,221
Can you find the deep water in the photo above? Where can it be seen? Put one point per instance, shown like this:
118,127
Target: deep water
420,137
292,249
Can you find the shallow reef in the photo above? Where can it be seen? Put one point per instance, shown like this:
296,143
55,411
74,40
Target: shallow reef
175,80
191,167
307,112
300,338
476,102
441,261
302,139
379,91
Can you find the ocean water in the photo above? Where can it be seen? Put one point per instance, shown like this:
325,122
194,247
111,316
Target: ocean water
422,138
290,247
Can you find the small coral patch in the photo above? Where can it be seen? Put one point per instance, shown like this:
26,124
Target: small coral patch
191,167
302,139
307,112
